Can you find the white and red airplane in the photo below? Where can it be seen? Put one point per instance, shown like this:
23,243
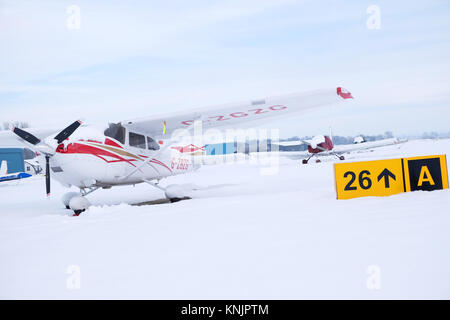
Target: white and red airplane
318,144
323,145
6,176
136,151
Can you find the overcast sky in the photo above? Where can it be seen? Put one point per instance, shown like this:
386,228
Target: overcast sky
137,58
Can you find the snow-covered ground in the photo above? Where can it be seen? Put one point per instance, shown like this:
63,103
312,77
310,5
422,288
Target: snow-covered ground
244,235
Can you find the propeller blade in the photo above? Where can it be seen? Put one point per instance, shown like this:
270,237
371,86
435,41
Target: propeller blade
63,135
26,136
47,175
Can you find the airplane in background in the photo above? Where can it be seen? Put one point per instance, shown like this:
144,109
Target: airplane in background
5,176
323,146
139,150
318,144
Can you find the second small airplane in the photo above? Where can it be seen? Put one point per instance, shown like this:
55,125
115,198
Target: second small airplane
5,176
323,145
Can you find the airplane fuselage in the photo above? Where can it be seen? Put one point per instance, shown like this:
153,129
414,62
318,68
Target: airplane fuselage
326,145
103,161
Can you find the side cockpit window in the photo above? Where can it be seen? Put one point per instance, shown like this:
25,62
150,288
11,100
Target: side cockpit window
137,140
152,144
116,131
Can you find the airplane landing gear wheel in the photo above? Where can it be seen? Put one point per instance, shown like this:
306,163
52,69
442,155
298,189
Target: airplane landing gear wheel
341,158
304,161
79,204
66,198
318,161
174,193
76,213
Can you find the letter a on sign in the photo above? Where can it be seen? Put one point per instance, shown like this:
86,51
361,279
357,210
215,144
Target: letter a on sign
426,173
425,176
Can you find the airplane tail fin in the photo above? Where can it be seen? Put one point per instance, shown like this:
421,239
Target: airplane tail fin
4,168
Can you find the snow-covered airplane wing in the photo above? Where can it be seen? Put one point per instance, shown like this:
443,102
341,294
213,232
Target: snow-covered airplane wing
291,143
314,142
365,145
239,115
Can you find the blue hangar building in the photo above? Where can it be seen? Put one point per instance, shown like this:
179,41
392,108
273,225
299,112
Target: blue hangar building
15,157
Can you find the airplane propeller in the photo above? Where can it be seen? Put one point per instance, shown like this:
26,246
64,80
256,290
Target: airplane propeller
47,174
63,135
47,147
28,137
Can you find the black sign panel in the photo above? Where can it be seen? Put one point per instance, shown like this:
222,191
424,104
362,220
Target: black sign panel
425,174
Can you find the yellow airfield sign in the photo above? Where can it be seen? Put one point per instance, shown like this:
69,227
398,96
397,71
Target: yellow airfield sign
391,176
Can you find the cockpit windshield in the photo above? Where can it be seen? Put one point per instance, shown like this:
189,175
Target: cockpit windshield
116,131
152,144
136,140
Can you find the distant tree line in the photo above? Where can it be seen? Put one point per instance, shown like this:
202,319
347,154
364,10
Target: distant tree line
435,135
8,125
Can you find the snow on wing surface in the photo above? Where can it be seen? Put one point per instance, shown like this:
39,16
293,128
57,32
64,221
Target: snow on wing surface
239,114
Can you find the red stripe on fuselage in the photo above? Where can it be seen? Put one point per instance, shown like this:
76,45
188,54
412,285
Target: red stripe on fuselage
160,163
78,148
112,143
